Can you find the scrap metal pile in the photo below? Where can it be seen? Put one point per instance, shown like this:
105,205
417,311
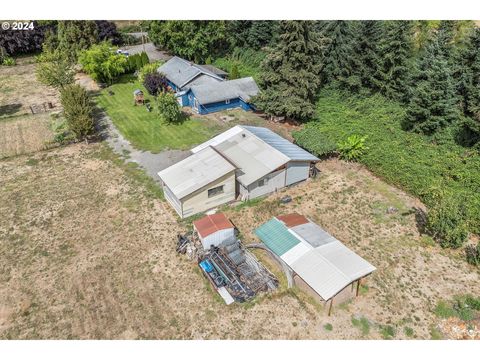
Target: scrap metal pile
231,266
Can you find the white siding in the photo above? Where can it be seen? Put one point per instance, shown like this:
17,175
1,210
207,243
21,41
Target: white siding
172,199
297,171
217,238
275,181
199,200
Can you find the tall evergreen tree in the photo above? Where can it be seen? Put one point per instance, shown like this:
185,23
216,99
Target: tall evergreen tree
290,77
469,87
253,34
339,60
395,51
366,47
433,104
73,36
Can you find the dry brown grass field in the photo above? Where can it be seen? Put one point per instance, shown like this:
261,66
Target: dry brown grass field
87,251
21,132
24,134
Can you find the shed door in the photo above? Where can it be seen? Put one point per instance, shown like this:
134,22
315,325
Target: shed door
297,171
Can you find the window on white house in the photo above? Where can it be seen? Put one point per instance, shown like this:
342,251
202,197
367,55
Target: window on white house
215,191
262,182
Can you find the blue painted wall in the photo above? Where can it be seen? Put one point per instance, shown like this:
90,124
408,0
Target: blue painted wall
189,98
172,85
219,106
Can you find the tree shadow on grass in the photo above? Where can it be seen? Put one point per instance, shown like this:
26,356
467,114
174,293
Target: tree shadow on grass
10,109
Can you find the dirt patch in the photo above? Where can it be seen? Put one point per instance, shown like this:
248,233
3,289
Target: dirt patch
86,252
19,89
86,81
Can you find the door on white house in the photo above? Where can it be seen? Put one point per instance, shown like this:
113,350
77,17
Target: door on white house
195,104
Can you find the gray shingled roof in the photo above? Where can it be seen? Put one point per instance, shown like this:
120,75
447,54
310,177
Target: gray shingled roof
213,69
181,72
294,152
243,88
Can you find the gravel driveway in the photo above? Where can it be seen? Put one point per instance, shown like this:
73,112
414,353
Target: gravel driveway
150,162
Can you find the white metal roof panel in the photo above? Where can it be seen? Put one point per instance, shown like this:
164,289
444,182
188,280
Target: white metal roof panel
320,274
194,172
349,263
218,139
295,253
294,152
252,156
313,234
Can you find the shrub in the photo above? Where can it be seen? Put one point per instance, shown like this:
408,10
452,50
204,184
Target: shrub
408,331
328,327
317,143
362,323
77,110
155,83
169,108
9,61
446,221
352,148
137,61
387,331
472,253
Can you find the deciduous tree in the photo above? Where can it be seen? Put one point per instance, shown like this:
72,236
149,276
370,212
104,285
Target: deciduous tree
102,63
55,71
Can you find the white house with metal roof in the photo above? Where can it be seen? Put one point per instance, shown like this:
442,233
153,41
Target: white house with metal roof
265,161
200,182
205,89
260,160
321,263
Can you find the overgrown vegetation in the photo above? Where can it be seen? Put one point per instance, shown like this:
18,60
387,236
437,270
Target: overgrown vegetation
412,161
243,62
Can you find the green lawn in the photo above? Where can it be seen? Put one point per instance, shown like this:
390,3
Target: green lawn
146,130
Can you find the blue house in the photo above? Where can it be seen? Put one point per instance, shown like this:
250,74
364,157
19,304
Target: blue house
205,88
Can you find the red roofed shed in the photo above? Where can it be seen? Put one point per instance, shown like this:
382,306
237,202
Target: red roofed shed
293,219
214,229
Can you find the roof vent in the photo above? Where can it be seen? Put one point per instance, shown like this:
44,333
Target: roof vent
243,135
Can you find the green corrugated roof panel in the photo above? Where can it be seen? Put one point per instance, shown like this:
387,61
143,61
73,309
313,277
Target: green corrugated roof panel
276,236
